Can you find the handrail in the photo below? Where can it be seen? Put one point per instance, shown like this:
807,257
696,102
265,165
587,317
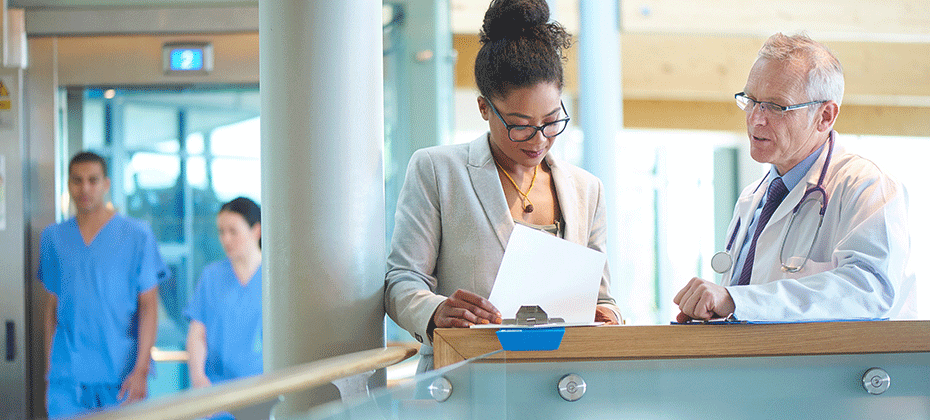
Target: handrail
179,356
194,403
643,342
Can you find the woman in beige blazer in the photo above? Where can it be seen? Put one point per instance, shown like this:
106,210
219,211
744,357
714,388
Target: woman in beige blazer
460,203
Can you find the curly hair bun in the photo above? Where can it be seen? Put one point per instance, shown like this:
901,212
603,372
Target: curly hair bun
520,47
513,18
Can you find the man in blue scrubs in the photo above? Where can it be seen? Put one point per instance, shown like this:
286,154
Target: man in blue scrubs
102,271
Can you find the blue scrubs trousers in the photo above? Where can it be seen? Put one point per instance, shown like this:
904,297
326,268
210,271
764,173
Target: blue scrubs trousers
69,399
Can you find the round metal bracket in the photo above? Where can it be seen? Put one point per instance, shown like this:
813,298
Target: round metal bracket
440,389
876,381
572,387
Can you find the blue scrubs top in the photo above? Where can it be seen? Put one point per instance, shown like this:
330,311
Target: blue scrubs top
232,315
97,287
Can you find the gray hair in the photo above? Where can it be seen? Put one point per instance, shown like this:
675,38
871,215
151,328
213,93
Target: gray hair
824,72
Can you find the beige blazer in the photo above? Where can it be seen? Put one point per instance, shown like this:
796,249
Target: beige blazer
452,225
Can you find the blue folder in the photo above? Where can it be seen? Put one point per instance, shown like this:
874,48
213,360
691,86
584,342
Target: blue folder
733,321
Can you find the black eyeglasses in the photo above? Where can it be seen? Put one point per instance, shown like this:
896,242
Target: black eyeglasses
747,104
521,133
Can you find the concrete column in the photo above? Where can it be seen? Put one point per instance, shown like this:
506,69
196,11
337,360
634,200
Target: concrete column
322,183
601,108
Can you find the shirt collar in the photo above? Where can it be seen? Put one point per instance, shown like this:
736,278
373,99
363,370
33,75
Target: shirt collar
795,174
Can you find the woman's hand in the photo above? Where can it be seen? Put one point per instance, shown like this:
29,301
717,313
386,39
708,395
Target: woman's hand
605,315
463,309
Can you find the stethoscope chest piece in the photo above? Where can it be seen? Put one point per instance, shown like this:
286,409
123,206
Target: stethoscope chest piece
721,262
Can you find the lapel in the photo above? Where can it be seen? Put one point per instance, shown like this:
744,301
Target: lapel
567,196
745,208
487,185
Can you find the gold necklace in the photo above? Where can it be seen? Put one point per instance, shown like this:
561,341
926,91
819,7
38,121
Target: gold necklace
524,199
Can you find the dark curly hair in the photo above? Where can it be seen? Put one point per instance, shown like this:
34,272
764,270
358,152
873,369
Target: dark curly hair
520,47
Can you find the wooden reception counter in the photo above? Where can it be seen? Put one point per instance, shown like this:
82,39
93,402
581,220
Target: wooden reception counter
452,345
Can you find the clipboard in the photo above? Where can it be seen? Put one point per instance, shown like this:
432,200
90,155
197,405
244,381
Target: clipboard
732,320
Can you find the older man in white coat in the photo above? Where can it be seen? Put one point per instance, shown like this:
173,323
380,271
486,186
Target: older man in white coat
824,235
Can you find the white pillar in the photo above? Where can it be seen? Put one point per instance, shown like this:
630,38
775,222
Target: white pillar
322,183
601,108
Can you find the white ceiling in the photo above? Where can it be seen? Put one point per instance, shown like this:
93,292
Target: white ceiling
103,4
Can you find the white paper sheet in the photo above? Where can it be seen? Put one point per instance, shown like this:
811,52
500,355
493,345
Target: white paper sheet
561,277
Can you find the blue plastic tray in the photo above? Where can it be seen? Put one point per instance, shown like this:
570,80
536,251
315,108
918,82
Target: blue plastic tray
530,339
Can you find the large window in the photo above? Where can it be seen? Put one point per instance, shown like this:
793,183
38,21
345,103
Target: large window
670,186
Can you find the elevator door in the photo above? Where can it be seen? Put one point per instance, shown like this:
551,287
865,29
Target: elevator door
14,295
175,156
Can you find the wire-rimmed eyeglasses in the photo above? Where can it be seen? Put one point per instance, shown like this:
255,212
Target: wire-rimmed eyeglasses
748,104
520,133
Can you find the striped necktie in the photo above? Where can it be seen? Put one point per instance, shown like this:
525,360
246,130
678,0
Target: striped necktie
777,192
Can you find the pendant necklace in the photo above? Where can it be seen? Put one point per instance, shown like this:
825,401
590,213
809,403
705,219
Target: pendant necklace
524,199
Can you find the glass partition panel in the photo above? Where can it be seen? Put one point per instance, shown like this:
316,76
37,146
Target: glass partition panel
801,387
448,393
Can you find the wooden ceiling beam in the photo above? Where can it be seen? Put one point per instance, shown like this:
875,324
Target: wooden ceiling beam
713,68
827,20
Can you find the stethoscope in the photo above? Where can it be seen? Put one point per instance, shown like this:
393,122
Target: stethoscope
722,261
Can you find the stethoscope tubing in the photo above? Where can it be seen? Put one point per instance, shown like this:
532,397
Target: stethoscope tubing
722,261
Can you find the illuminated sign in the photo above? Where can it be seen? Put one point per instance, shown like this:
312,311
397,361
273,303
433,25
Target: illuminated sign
188,57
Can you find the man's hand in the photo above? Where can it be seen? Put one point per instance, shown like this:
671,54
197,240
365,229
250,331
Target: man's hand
605,315
701,299
135,387
463,309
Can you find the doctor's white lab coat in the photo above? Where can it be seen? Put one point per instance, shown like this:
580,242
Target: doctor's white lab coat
858,266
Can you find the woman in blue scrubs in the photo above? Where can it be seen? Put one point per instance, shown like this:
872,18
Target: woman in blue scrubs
225,335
